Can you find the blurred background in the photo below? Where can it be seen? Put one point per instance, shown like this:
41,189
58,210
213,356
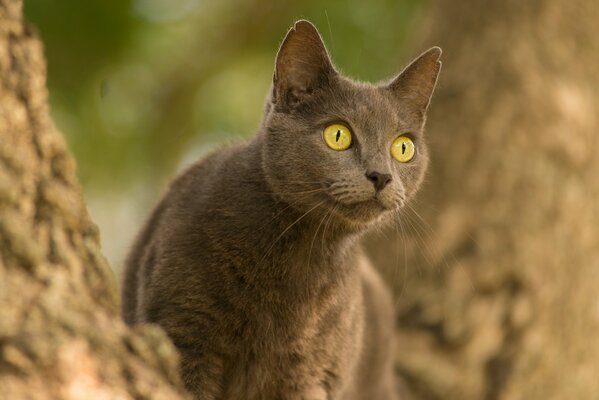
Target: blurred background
495,266
141,88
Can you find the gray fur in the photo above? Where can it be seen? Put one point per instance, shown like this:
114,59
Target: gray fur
251,262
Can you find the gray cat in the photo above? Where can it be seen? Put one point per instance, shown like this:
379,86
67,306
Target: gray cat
252,263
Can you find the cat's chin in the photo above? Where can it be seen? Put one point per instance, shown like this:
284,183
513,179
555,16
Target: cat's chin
364,215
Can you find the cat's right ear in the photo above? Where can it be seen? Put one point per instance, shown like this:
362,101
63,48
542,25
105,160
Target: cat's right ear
414,86
303,65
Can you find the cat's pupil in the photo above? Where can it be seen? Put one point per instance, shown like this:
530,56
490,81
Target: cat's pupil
403,148
338,135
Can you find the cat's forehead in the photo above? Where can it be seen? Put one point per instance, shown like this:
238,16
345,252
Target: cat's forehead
367,107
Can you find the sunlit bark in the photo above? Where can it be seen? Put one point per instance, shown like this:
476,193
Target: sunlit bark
499,300
60,332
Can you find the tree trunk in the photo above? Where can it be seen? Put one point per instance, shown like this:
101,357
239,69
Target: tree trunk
60,331
499,299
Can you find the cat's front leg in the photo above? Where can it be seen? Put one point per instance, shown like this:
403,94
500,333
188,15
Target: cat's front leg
202,375
316,392
310,383
313,393
202,364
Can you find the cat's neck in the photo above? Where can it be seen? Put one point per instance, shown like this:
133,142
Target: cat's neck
299,249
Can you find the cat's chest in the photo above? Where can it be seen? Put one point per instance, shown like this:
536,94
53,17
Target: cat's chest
313,344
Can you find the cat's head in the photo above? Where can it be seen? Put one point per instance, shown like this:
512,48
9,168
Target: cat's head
335,144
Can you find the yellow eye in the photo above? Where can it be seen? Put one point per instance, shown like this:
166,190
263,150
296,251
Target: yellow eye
403,149
337,137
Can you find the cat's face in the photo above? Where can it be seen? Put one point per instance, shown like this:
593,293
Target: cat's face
353,149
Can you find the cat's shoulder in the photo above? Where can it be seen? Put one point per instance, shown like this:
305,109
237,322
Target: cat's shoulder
216,177
218,163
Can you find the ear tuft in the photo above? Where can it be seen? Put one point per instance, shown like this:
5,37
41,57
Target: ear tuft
306,26
414,86
303,62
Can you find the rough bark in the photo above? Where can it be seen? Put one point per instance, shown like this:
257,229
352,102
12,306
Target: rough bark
60,331
499,300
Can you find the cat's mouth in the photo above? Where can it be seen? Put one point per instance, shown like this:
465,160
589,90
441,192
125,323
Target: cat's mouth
360,211
377,201
374,202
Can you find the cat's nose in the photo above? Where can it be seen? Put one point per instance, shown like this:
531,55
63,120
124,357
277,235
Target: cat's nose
378,180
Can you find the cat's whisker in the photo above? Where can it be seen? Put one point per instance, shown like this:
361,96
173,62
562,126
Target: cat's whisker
326,225
444,257
430,254
424,229
278,214
430,229
405,255
289,227
422,220
308,191
316,234
287,181
423,245
391,239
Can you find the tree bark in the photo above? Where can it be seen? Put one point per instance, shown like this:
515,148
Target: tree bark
499,298
60,330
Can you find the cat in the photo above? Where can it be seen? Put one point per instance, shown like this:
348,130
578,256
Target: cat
252,263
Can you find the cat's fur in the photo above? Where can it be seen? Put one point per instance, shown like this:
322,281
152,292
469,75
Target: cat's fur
251,262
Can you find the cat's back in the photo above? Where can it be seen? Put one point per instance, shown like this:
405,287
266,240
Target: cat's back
192,197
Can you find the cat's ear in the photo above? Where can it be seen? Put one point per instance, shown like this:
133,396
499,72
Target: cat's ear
302,65
414,86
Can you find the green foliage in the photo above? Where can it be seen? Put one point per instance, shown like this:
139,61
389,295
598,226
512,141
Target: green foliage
137,85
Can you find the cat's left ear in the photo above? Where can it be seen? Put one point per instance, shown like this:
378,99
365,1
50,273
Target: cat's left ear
414,86
302,65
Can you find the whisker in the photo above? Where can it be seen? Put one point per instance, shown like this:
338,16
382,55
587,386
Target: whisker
326,225
316,234
450,255
279,213
286,181
424,223
293,192
444,258
425,250
436,254
405,255
289,227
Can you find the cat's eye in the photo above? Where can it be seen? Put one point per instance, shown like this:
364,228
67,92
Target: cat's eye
403,149
337,137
